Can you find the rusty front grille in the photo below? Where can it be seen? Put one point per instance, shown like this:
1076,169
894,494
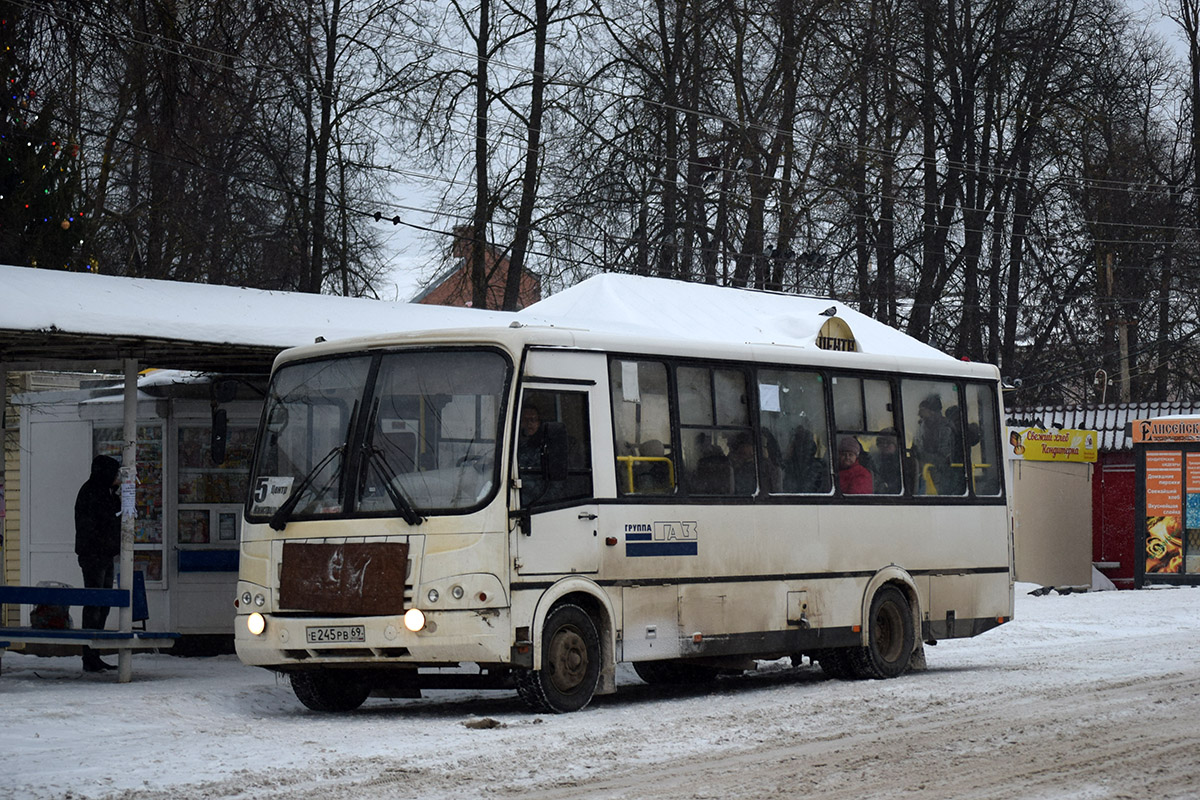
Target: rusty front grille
357,579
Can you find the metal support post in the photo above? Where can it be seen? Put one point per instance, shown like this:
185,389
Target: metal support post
128,514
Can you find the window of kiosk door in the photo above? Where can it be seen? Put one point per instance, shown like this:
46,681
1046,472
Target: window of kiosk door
108,440
211,494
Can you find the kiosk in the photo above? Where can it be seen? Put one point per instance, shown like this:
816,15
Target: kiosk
1167,458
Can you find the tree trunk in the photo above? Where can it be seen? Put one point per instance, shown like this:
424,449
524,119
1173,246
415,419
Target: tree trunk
316,269
516,264
479,268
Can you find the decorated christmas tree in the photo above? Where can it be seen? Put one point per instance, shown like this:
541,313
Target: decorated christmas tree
40,196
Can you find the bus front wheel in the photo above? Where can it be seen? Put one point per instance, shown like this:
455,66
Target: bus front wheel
570,668
891,637
329,690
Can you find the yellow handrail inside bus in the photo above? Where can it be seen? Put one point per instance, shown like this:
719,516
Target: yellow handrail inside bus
630,461
927,475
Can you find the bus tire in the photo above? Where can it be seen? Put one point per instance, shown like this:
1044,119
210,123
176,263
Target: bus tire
329,690
570,668
674,672
891,637
836,663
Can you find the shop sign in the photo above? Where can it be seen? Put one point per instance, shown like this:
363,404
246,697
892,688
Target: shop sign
1166,430
1053,444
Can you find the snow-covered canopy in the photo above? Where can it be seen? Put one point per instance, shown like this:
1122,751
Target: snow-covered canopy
46,314
61,317
695,311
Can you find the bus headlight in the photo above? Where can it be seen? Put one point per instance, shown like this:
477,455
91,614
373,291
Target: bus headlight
256,623
414,619
433,596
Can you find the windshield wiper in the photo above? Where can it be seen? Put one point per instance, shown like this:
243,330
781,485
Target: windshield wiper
378,461
279,519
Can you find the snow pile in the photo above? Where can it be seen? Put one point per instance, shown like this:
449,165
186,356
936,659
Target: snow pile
1080,689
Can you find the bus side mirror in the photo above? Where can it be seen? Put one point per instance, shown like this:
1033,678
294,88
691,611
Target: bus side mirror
554,457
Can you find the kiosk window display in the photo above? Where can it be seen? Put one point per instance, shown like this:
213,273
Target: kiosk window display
211,496
1167,452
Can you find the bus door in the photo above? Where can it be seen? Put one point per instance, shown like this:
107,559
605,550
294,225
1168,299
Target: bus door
558,530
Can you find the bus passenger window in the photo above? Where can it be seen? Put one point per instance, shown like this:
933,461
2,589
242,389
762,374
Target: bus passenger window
863,414
933,420
795,446
983,440
642,428
719,454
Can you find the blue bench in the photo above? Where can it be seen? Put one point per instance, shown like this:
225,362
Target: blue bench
70,596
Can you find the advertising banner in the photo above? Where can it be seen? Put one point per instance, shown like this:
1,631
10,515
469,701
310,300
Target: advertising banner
1164,511
1052,444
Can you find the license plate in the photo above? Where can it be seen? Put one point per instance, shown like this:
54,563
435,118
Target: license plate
332,634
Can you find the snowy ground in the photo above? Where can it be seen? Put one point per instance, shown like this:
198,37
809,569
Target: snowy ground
1083,696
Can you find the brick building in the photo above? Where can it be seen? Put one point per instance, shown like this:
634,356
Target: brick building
452,287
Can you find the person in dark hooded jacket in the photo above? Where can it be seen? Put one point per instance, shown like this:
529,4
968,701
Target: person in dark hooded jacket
98,542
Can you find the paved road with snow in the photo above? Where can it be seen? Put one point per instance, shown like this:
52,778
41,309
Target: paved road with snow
1084,696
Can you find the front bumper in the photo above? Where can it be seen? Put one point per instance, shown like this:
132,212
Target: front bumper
479,636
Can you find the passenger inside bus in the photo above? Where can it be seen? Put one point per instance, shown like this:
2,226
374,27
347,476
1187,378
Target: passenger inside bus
714,473
770,464
853,477
955,479
741,460
530,446
804,471
885,463
932,445
537,415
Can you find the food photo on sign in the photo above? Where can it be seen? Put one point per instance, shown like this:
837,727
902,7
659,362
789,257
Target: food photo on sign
1164,544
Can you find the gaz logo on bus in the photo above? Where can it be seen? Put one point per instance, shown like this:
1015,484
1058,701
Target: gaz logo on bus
672,538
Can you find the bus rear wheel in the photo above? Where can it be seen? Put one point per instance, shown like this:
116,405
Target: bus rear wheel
329,690
891,637
570,669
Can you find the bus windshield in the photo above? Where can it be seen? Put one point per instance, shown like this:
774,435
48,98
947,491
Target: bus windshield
403,434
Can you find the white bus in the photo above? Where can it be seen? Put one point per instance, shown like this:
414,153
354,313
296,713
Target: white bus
525,507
